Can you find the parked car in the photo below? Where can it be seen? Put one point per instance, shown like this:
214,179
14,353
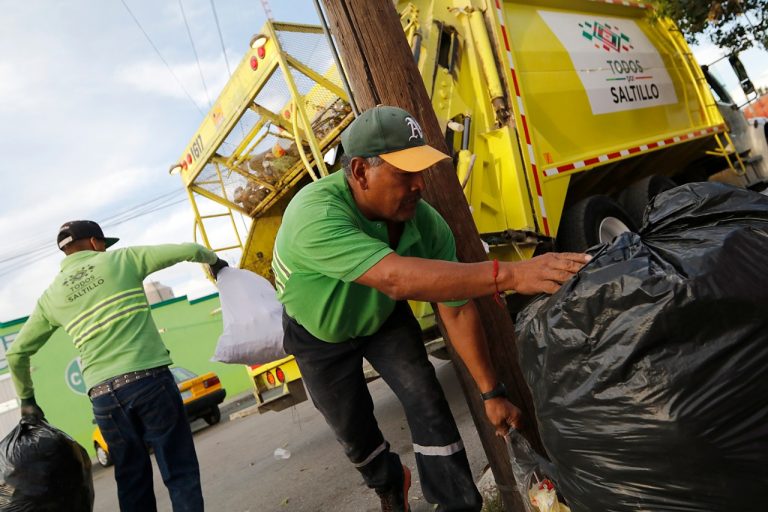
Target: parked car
201,394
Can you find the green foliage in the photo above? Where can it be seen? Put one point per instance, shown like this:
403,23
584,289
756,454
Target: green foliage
733,25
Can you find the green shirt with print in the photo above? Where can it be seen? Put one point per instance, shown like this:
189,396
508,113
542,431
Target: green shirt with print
325,243
98,297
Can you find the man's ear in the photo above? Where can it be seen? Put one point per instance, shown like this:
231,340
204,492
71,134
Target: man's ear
358,166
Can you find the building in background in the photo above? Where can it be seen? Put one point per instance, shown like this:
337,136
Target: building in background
157,292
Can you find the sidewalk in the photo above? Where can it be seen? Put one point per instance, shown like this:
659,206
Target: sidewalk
236,403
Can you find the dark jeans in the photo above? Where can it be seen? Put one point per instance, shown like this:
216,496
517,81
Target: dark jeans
149,412
333,375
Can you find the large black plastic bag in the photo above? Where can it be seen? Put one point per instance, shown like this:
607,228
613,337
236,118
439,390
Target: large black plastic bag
44,470
649,370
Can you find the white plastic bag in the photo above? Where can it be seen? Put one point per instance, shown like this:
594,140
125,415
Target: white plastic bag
253,323
533,475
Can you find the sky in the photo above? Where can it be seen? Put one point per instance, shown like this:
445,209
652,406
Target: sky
92,118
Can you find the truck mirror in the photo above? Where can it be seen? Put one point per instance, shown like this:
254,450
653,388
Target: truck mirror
741,73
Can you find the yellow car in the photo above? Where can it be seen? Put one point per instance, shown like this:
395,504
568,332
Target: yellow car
201,394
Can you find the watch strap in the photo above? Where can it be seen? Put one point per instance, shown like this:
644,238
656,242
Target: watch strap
498,390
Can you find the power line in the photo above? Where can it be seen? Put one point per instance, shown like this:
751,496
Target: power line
221,37
162,58
31,254
33,243
194,51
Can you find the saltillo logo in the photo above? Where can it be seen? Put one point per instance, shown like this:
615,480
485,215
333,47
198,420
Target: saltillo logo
603,35
78,275
81,282
416,132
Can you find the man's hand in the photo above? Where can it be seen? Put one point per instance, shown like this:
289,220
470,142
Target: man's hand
547,272
31,411
502,415
217,266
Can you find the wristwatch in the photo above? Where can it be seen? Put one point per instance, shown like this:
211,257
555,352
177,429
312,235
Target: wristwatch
498,390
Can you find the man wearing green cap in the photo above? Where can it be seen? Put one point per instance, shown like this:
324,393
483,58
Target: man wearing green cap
352,248
99,300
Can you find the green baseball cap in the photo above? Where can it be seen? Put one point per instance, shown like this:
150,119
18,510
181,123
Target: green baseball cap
392,134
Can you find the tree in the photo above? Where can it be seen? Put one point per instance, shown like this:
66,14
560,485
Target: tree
733,25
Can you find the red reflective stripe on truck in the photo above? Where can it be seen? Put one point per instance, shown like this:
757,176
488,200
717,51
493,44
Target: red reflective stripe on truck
631,151
523,120
506,40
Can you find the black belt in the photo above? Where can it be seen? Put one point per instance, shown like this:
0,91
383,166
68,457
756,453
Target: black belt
121,380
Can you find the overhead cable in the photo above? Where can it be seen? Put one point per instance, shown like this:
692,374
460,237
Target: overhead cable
45,248
162,58
221,37
194,51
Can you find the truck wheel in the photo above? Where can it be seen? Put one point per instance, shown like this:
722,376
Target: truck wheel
637,196
592,221
214,417
102,456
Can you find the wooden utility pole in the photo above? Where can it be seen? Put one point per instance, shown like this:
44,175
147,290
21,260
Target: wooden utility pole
381,70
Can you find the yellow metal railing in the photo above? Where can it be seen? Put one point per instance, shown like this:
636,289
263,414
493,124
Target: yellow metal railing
277,100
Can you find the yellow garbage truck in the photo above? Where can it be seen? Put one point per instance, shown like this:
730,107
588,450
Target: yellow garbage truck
563,117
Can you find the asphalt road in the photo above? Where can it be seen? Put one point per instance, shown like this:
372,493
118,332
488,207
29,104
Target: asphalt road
241,474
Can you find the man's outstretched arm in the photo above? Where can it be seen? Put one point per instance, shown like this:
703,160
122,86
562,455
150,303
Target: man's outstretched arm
429,280
468,338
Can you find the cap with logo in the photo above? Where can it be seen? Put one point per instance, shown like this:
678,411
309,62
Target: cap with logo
392,134
79,229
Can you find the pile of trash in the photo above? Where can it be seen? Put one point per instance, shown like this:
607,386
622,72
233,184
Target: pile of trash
43,469
267,167
270,166
648,370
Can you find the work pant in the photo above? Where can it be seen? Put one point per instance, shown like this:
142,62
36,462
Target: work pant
333,375
142,414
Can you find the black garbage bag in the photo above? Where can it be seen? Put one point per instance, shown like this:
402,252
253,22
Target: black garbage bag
44,470
649,369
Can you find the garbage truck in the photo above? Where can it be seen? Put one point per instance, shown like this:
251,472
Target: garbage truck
563,118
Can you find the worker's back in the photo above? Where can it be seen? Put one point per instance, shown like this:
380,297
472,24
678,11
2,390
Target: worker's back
98,298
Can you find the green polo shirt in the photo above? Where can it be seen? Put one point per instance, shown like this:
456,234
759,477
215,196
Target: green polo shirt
98,298
325,243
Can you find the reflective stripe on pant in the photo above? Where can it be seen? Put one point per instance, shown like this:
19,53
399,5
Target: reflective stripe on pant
333,375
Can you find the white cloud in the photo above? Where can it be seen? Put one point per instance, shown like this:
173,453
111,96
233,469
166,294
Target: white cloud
761,80
20,289
152,76
79,200
93,118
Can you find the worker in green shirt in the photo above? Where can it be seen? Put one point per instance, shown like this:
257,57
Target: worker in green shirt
351,249
98,298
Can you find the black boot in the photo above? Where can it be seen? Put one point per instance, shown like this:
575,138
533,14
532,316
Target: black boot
395,499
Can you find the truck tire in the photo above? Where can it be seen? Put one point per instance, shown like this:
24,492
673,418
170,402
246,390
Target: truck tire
592,221
213,417
102,456
637,196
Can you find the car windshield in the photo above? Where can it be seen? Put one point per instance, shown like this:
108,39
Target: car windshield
182,374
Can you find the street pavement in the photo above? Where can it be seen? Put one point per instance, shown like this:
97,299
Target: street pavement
240,473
